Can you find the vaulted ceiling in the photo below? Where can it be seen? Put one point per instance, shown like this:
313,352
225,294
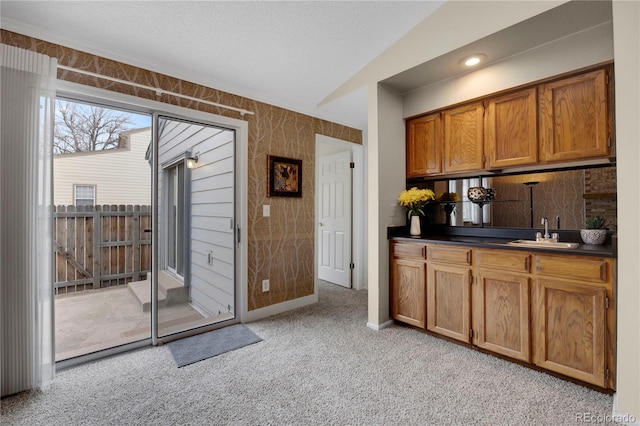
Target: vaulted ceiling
307,56
291,54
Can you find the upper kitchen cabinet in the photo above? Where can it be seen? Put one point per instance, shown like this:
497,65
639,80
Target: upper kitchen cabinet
511,129
545,124
424,146
463,133
574,118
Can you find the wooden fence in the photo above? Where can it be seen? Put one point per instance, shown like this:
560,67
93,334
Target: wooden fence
100,246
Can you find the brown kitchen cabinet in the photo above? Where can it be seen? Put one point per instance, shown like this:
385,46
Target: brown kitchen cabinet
511,129
408,283
573,317
554,310
424,146
552,123
448,291
463,138
501,301
575,121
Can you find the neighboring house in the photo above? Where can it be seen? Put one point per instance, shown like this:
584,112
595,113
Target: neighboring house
114,176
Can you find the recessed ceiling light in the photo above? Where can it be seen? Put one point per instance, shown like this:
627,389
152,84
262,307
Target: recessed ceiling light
473,60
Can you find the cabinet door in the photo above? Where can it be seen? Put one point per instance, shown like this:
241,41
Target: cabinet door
408,291
463,130
511,129
574,121
569,329
448,301
501,317
424,146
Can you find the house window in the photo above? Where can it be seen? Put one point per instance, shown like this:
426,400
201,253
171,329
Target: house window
84,195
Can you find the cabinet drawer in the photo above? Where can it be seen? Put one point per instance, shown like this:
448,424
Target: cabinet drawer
590,269
507,260
411,250
448,254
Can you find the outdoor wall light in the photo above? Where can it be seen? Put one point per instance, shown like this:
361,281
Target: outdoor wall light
192,161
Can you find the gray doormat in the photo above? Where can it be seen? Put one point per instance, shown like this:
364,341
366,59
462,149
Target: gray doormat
202,346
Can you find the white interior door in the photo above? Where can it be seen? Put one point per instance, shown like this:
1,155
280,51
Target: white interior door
334,219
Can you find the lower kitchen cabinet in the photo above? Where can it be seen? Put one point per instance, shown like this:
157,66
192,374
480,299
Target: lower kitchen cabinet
573,321
448,291
556,311
408,283
570,329
448,301
501,317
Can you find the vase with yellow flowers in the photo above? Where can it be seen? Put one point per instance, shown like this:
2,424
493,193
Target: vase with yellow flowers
415,200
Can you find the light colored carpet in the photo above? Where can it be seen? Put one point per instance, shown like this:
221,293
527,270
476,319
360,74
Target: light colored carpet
318,365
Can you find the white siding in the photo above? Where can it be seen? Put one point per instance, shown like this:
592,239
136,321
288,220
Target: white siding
121,176
212,198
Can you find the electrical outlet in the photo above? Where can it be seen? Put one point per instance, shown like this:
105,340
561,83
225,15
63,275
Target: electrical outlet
265,286
266,210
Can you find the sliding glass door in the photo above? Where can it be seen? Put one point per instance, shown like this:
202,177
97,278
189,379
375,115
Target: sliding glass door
107,210
196,224
102,208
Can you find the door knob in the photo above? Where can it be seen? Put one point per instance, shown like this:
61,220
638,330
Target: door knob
320,224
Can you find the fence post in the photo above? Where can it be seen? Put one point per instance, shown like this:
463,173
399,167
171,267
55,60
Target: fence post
135,242
97,226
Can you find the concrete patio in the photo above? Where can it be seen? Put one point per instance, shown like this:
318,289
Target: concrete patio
94,320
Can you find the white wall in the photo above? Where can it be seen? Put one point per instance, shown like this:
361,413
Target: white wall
626,18
580,50
121,176
386,179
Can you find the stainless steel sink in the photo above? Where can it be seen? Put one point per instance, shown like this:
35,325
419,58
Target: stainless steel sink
543,244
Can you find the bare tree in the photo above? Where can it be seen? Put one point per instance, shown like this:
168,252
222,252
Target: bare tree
82,128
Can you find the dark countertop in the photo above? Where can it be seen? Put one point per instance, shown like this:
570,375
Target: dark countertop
502,237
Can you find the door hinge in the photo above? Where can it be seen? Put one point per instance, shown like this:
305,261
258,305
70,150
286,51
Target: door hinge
352,165
606,78
606,373
471,333
470,278
609,142
351,265
238,233
606,302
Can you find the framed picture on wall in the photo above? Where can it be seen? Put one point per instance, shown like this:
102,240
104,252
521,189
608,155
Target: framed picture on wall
285,177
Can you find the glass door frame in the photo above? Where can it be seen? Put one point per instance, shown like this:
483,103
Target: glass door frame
140,105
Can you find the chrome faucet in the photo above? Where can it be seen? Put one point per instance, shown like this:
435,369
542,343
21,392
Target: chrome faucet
545,222
546,237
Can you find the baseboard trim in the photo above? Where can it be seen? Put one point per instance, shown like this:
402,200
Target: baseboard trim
379,326
278,308
622,418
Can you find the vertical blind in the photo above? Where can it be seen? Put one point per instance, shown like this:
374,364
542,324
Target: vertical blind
27,94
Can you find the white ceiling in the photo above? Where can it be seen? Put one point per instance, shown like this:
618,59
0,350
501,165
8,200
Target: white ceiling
290,54
561,21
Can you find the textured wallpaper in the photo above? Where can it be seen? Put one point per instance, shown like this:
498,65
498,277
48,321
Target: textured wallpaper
557,194
280,246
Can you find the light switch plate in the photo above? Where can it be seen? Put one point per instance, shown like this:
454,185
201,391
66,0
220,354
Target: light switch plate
266,210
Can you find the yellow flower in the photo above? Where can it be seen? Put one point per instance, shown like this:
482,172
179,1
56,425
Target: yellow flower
415,199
